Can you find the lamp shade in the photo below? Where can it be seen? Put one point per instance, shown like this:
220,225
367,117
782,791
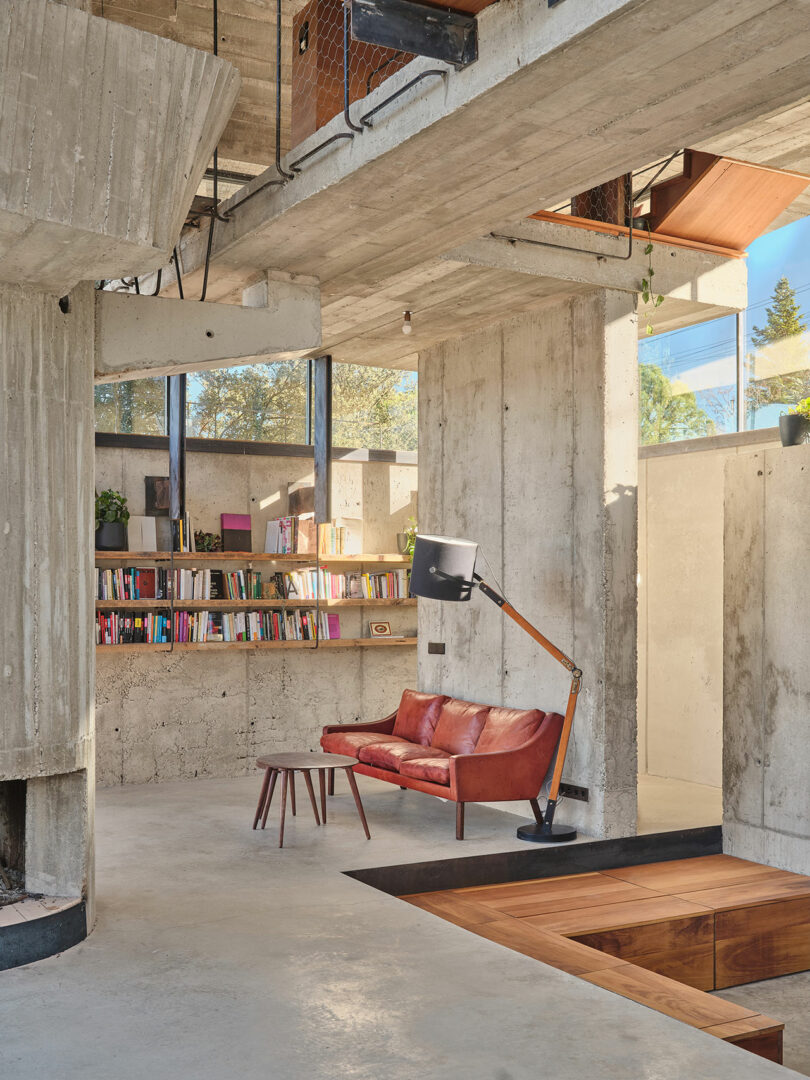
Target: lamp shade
443,567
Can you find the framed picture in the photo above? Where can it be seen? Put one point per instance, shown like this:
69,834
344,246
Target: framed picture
380,629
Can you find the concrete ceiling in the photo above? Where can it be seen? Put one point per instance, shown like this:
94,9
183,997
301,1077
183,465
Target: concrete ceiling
559,101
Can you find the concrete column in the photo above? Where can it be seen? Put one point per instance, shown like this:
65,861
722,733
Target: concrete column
47,653
528,444
766,658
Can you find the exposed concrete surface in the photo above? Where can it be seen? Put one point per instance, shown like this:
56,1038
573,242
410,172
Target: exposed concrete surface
46,525
787,998
766,682
162,717
139,336
528,444
219,955
105,133
696,285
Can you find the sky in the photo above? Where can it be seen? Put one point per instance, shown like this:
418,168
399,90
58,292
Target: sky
704,357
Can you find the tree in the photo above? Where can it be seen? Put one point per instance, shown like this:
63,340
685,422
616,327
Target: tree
137,406
784,318
782,357
666,416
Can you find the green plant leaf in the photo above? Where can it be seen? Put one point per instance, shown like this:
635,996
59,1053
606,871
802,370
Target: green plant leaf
648,249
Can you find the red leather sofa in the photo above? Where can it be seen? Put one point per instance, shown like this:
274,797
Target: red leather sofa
457,750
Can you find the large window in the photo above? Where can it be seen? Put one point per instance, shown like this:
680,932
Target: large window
690,379
373,407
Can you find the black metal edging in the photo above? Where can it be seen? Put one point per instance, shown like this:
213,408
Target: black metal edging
257,449
544,862
25,942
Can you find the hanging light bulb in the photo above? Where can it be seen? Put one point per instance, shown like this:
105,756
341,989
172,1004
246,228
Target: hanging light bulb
406,322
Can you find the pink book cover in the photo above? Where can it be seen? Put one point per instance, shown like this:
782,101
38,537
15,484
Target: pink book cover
235,521
333,622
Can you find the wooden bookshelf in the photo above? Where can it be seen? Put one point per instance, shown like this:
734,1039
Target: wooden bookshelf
246,557
247,605
246,560
326,643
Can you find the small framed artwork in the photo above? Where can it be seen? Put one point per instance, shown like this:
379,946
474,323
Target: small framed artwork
380,629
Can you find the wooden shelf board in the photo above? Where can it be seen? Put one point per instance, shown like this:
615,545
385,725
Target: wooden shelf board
244,605
211,646
245,556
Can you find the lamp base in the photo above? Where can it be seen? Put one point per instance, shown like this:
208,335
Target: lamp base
546,834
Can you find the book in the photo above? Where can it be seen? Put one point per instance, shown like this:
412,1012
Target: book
141,533
236,532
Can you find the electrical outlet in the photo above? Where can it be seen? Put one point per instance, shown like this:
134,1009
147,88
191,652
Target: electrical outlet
574,791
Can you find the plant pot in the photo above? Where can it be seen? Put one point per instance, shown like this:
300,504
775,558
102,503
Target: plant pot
111,536
792,429
402,543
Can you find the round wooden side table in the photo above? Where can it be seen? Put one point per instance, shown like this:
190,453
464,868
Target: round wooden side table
288,765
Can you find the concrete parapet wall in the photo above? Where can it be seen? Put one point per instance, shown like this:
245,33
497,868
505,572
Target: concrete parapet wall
766,679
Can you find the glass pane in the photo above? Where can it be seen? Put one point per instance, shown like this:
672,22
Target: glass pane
258,402
137,407
688,382
777,355
374,408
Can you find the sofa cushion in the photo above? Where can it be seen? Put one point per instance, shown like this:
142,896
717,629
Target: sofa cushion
390,755
350,742
436,770
417,716
506,729
460,724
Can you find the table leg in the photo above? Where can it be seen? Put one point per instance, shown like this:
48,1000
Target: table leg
292,791
284,775
273,779
331,781
262,797
322,786
358,804
308,782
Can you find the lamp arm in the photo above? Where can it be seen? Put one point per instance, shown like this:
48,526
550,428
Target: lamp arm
576,682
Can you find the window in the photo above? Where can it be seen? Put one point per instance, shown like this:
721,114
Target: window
137,407
689,378
374,408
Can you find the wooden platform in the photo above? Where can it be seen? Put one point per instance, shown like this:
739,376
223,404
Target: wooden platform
660,934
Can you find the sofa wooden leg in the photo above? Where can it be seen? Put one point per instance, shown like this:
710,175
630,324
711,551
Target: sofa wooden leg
460,821
331,781
538,813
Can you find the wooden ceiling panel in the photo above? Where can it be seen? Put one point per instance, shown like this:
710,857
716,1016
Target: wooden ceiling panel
730,204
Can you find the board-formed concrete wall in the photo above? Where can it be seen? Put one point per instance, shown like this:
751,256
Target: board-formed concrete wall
680,620
528,436
162,717
766,692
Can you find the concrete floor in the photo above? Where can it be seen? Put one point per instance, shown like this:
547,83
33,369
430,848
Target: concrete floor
218,956
665,804
786,999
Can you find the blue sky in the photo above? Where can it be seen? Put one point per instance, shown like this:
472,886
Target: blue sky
704,357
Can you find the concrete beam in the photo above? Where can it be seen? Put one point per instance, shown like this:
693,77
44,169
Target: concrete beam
698,285
141,336
560,99
105,133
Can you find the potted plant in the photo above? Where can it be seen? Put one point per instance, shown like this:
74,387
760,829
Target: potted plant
794,424
111,521
407,539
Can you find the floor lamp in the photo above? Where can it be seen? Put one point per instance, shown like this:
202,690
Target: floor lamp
444,569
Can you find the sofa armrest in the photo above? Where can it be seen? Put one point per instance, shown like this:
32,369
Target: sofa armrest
507,774
385,727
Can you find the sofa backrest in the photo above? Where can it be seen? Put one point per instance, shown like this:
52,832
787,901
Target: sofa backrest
506,729
417,716
460,724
